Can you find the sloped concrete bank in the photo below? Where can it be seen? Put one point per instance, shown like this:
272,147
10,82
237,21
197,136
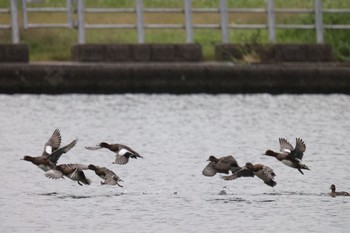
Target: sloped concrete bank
176,78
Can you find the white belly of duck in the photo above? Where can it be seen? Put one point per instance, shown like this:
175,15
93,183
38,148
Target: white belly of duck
44,167
288,163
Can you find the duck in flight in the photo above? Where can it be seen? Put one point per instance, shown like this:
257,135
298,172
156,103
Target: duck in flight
52,152
122,152
72,171
289,155
109,177
265,173
223,164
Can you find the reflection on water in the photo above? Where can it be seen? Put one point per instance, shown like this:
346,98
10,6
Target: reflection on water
165,191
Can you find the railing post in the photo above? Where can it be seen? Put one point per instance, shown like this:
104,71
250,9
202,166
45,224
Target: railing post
139,13
81,22
188,21
14,22
24,13
271,23
69,14
319,21
224,21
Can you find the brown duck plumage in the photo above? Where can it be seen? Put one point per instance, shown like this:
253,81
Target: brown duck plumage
123,153
72,171
52,152
333,193
109,177
220,165
265,173
289,155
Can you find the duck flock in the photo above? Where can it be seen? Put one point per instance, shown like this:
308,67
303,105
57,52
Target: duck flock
288,155
52,152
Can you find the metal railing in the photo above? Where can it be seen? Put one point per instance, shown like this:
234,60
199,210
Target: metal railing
76,19
13,12
67,10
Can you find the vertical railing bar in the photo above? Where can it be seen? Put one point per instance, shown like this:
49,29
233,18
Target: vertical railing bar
188,21
69,14
140,22
271,23
14,22
25,15
224,21
319,22
81,23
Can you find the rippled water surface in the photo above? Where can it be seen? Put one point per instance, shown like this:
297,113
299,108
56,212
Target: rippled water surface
165,191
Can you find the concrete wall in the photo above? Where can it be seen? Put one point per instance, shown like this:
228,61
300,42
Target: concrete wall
14,53
177,78
136,52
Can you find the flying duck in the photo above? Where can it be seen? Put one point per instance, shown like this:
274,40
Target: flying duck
109,177
220,165
52,152
290,156
250,170
123,153
334,193
72,171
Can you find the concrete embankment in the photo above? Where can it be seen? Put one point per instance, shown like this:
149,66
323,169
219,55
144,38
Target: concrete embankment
173,77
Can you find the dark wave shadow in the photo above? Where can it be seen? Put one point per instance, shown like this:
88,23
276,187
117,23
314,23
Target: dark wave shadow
48,194
290,194
73,196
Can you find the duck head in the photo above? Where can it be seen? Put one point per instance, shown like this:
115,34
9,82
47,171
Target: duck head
270,153
92,167
28,158
212,158
249,166
104,145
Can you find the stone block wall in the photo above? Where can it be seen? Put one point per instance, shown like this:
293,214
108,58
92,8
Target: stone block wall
14,53
136,52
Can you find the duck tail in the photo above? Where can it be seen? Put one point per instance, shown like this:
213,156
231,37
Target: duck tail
86,181
271,183
303,166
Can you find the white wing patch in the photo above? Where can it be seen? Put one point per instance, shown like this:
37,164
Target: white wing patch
123,152
286,150
48,149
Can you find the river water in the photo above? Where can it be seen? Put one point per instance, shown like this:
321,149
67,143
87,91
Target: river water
165,191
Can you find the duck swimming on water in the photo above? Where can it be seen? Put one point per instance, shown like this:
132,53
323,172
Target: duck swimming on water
334,193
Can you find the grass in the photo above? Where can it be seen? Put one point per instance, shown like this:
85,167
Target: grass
55,44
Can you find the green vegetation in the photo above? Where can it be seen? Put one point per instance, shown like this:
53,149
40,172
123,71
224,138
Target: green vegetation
55,44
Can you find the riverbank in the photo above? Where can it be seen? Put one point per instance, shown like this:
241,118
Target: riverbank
173,77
